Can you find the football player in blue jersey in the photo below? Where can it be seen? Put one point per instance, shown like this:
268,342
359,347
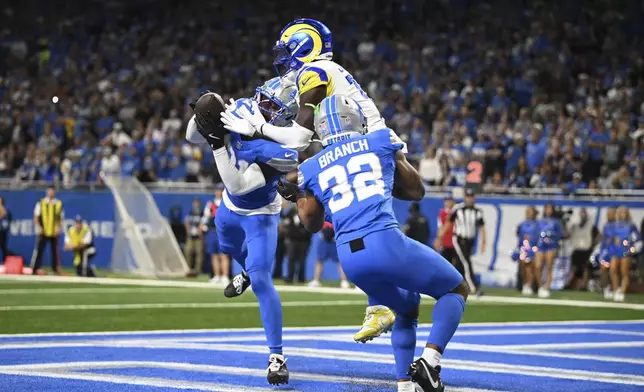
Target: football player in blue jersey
353,180
248,216
304,56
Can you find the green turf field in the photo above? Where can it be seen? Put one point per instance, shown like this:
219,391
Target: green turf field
36,306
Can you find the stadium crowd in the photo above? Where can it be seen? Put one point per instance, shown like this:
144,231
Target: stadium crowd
546,94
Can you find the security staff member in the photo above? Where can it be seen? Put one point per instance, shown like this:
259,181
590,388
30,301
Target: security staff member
48,220
194,240
80,239
467,220
417,227
298,241
5,225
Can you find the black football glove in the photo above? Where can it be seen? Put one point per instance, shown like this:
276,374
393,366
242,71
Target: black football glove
209,125
289,191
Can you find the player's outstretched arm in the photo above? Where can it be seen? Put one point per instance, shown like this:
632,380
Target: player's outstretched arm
407,182
299,134
311,212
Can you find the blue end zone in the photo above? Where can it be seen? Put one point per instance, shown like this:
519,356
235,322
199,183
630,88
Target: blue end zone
574,357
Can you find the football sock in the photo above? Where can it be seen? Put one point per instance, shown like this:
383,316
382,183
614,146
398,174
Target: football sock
372,301
432,356
406,386
403,341
270,308
446,316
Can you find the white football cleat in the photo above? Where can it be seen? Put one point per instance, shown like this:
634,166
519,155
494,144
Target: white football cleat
345,284
314,283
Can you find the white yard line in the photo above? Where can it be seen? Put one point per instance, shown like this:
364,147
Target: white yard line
220,305
315,290
91,290
144,381
345,355
345,328
68,368
572,346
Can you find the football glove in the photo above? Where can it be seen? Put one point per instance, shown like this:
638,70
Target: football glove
251,120
289,191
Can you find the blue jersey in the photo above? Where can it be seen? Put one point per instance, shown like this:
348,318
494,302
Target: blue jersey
530,231
354,179
626,237
273,155
608,235
551,229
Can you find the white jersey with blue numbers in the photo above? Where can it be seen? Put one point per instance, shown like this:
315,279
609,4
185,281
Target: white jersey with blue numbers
275,157
338,81
354,179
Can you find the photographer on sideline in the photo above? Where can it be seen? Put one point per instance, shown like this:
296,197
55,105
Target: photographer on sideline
80,239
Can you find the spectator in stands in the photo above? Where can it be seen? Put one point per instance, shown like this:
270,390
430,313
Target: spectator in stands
451,82
429,167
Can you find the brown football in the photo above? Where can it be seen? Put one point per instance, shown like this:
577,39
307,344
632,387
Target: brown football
210,105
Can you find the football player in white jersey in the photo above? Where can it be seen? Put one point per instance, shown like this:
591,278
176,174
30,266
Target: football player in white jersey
304,53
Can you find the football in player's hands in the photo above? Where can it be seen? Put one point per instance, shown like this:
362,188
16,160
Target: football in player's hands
207,109
289,190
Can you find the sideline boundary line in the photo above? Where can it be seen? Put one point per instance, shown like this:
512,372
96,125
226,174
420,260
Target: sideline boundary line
315,290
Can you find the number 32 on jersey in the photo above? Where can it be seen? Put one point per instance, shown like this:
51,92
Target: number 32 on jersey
364,184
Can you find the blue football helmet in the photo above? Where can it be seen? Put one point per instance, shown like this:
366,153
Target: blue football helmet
302,41
338,118
278,101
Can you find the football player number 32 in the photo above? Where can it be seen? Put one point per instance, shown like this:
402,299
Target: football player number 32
365,184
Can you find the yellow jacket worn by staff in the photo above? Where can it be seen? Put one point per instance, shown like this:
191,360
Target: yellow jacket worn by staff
77,238
51,214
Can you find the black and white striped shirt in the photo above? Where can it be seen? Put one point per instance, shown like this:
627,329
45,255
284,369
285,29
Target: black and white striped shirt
466,220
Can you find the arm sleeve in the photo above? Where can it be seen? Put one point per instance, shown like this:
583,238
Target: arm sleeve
67,239
452,216
295,136
192,135
479,218
237,182
87,239
37,209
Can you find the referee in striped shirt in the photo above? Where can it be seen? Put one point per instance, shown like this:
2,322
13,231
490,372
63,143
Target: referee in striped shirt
467,220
